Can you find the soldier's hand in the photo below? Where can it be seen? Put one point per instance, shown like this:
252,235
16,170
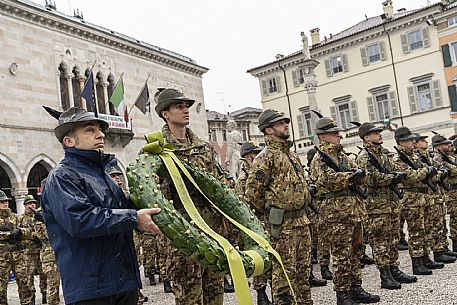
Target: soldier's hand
15,234
356,176
145,222
312,190
398,178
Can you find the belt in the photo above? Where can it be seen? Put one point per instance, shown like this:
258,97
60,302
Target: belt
294,214
380,196
423,190
341,193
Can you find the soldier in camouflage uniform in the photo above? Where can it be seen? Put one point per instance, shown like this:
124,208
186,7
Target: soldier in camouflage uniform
164,253
446,160
49,265
33,247
12,254
434,207
413,202
192,284
342,211
383,207
150,257
276,186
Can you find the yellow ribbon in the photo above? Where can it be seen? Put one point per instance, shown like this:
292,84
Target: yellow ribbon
156,144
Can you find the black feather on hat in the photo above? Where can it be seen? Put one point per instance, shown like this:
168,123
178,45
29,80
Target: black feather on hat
54,113
320,116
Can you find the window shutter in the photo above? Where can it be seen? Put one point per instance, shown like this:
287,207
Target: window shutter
371,110
295,78
382,50
426,37
452,97
354,112
278,85
412,99
264,87
404,44
345,63
363,54
446,55
393,104
437,93
327,68
301,130
333,114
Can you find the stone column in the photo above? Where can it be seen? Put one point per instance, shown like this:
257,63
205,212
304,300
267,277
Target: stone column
19,197
68,78
310,85
82,80
105,96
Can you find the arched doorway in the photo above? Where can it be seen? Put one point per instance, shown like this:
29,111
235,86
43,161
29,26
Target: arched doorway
36,175
5,185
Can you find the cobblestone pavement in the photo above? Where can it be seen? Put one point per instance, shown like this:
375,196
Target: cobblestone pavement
437,289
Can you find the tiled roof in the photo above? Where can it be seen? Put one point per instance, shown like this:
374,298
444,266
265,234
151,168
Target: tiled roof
109,32
245,110
215,116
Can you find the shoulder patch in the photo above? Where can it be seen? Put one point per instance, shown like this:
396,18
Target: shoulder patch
260,175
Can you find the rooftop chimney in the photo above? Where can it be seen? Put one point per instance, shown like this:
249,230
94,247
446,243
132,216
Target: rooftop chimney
388,9
279,56
315,36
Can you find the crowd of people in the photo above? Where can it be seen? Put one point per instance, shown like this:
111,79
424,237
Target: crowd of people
89,237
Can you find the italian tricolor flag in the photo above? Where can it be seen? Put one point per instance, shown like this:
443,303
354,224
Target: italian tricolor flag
117,99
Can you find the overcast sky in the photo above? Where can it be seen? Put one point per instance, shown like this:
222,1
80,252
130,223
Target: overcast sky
228,37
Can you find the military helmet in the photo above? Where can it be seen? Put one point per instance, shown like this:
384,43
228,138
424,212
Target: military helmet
113,171
367,128
72,117
403,134
270,116
3,196
249,147
439,139
29,199
170,96
326,125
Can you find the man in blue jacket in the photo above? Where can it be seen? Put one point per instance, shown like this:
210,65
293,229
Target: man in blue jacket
89,220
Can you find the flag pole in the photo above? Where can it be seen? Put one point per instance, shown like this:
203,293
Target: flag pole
145,83
115,86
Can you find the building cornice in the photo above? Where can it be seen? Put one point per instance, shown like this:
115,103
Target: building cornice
294,60
77,28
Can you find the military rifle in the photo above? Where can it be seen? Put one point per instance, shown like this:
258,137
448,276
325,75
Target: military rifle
428,178
14,237
393,185
443,177
355,186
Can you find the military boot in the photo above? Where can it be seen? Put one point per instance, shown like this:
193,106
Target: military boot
44,300
402,245
228,288
418,267
152,280
344,298
387,281
440,257
326,273
448,252
314,256
167,287
262,297
315,282
366,260
428,263
359,295
400,276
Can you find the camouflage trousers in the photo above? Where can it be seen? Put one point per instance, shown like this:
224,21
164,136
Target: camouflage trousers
150,254
294,247
402,225
323,243
164,257
14,261
53,282
192,284
434,225
347,248
35,268
383,236
413,210
452,211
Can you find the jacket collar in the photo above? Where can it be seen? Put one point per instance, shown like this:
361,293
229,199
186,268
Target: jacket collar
331,147
373,147
281,144
91,157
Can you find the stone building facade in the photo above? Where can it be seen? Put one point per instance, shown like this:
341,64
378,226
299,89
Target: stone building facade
44,60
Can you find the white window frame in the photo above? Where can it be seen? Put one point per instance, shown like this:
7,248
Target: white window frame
436,95
432,98
370,62
304,124
385,102
338,59
419,31
452,21
453,52
271,85
343,116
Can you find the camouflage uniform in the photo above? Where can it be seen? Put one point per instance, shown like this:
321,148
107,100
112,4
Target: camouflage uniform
193,284
137,240
276,182
33,249
13,259
343,212
150,256
413,202
49,265
383,208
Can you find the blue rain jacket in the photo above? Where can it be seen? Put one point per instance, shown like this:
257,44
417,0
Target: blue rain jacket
89,223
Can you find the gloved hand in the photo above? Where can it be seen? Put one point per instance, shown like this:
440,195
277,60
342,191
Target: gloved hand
15,234
431,171
38,216
356,176
312,190
399,177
